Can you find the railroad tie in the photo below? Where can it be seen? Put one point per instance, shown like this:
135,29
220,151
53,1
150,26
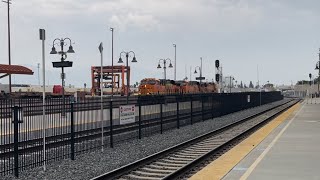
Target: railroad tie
162,167
174,161
147,174
132,176
168,164
156,170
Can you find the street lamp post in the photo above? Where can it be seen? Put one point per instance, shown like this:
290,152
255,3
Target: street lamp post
310,83
318,68
231,78
200,69
38,74
190,73
175,61
127,65
111,29
63,63
164,61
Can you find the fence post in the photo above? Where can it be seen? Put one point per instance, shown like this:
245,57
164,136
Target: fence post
16,140
161,117
212,107
139,103
191,112
178,121
111,124
220,106
72,131
202,108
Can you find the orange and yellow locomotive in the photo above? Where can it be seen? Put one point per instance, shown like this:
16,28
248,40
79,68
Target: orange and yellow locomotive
150,86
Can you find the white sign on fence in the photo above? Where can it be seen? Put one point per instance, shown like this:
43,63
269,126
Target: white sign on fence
127,114
248,98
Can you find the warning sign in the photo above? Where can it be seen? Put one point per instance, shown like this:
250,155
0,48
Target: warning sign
127,114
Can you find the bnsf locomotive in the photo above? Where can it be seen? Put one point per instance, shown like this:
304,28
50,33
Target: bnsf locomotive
150,86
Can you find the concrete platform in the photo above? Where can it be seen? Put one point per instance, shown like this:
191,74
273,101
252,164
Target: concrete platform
291,151
287,148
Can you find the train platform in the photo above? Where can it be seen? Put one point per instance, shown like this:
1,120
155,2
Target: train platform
286,148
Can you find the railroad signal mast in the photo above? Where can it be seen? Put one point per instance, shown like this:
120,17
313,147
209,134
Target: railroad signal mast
318,68
218,75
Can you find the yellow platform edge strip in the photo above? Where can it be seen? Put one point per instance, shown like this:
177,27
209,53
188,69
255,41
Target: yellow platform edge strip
224,164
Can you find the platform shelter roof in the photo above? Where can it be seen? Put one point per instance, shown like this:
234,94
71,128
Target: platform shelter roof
14,69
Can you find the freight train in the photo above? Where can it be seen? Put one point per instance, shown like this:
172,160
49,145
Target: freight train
29,91
152,86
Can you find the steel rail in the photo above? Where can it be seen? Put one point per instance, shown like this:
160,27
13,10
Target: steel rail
147,160
90,134
199,160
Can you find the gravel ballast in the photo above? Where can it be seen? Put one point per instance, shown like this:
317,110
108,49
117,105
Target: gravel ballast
94,163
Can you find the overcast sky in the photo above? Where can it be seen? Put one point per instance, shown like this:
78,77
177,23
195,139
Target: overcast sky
282,37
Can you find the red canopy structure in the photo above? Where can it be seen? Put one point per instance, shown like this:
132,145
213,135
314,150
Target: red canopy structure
118,72
14,69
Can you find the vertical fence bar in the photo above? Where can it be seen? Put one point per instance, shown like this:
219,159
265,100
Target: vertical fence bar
72,131
101,119
111,124
191,112
178,121
16,140
212,106
139,104
161,117
202,107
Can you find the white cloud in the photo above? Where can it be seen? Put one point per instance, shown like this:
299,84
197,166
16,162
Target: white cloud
146,14
144,22
237,31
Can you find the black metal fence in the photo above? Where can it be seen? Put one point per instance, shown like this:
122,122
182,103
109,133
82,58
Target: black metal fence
84,126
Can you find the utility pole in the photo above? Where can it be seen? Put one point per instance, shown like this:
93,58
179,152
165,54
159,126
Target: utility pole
9,40
258,76
175,61
230,85
319,73
185,72
190,73
201,71
39,74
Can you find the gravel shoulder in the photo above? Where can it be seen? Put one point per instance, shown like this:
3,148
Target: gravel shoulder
94,163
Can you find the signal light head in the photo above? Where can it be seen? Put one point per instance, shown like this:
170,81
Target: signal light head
217,77
217,63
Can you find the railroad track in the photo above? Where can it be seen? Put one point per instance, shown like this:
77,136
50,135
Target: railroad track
34,107
172,163
90,134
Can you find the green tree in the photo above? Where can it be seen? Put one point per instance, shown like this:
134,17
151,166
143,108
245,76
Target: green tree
251,85
241,85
